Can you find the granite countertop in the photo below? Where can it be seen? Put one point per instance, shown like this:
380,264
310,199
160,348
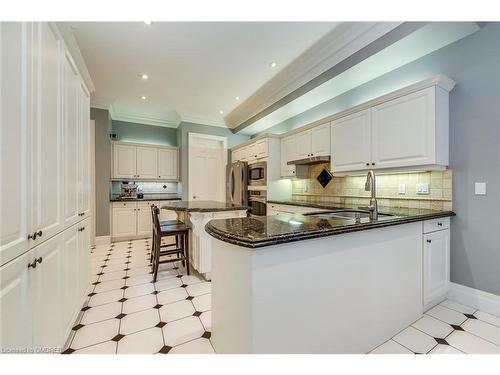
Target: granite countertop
147,197
202,206
256,232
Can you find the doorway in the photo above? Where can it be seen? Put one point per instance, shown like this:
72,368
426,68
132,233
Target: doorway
207,158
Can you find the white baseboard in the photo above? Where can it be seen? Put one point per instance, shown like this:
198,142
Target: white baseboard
102,240
476,298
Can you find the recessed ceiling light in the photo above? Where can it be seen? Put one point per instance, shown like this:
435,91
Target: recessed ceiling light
237,97
144,76
221,112
272,65
143,97
148,22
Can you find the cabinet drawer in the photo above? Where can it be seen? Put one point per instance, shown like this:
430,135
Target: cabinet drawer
436,224
124,205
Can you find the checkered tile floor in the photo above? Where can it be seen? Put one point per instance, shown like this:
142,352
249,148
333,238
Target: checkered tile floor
127,313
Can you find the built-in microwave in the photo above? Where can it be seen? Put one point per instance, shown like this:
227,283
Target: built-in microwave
257,174
257,202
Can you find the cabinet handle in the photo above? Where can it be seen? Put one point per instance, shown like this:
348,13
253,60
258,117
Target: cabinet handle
429,241
440,224
35,235
367,164
39,260
373,163
32,264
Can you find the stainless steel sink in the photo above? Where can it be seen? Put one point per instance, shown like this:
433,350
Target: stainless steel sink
346,214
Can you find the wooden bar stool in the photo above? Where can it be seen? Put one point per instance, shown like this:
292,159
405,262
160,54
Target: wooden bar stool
182,251
162,224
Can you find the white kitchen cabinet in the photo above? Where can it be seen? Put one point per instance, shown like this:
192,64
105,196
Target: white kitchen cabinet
83,260
351,142
16,296
261,148
403,131
168,164
436,266
303,144
84,152
144,219
124,219
70,274
15,138
46,280
288,153
236,155
124,161
46,162
320,140
147,162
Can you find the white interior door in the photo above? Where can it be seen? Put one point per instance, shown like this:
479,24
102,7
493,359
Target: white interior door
207,157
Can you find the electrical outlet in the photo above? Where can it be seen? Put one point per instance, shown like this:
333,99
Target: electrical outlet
422,188
480,188
401,189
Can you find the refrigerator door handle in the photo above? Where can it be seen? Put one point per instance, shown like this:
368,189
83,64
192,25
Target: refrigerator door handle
231,184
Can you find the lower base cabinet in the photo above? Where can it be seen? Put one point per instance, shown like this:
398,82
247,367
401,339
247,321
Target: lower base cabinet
41,292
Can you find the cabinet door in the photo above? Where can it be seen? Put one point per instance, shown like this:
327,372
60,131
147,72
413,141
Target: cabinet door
47,280
71,142
69,277
47,194
320,140
147,162
350,142
124,221
144,220
303,144
436,265
16,308
261,148
403,131
84,151
252,152
167,164
124,161
15,138
236,155
83,259
288,152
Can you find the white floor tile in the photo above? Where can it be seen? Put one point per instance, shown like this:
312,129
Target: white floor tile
458,307
108,347
445,349
95,333
176,310
203,303
447,315
471,344
488,318
139,321
433,327
112,276
482,329
198,346
140,279
139,271
190,279
206,320
170,283
139,303
182,330
391,347
114,267
415,340
139,290
166,273
199,289
171,295
109,285
101,312
149,341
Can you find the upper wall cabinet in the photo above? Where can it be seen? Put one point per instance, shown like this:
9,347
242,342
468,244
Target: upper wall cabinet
256,150
313,142
144,162
410,131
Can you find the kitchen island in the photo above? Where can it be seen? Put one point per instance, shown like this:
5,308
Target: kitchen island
293,283
197,214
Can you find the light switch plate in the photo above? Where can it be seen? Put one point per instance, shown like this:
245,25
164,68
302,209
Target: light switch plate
401,189
422,188
480,188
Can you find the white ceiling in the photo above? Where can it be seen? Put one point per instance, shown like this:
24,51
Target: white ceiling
195,69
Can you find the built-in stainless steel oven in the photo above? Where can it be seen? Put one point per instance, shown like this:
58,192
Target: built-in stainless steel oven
257,202
257,174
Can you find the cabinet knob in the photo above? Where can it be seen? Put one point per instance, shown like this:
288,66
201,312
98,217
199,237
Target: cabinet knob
429,241
373,163
440,224
367,164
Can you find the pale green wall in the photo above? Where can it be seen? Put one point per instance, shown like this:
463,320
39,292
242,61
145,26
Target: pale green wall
141,133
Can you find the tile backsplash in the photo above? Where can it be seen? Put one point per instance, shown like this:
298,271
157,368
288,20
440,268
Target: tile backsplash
148,187
351,189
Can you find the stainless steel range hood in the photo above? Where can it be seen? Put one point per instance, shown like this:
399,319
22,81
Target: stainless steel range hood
311,160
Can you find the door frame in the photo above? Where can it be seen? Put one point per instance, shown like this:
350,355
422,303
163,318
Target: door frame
191,137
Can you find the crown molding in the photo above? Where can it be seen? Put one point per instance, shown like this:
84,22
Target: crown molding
139,119
337,45
203,121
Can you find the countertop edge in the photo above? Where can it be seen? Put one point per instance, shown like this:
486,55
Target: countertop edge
222,236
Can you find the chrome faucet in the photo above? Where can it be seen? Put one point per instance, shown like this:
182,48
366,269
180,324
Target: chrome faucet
370,186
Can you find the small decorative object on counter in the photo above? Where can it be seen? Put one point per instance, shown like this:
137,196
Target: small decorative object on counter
324,177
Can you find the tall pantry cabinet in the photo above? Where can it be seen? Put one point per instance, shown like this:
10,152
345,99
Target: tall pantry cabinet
45,188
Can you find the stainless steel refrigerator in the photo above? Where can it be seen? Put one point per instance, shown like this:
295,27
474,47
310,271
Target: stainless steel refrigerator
237,183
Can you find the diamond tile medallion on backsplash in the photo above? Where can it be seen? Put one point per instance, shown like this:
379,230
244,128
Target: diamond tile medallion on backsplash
350,189
324,177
